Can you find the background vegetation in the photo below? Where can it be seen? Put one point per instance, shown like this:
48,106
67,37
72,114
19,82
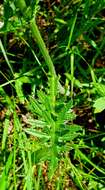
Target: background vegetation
52,94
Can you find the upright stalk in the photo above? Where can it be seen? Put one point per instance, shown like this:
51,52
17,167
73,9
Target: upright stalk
37,36
72,73
42,47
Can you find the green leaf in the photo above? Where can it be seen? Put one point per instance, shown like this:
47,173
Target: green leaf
99,105
68,137
61,21
69,133
52,166
74,128
41,109
65,113
4,177
36,123
35,107
100,88
36,133
45,100
19,90
6,98
20,80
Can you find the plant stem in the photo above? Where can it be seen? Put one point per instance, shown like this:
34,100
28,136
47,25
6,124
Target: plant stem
37,36
72,73
42,47
47,58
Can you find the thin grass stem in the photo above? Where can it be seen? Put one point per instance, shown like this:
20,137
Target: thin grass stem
6,58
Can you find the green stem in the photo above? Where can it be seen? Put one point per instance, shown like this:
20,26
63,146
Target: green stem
42,47
47,58
72,73
37,36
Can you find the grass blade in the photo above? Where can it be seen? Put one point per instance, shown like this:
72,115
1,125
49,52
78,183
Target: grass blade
6,58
